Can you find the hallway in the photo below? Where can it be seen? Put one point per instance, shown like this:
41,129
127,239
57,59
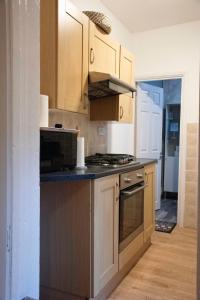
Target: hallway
167,271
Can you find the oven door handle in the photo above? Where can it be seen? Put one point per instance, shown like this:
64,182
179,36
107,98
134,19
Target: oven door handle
130,193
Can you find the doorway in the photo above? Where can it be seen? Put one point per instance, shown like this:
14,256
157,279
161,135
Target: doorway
157,136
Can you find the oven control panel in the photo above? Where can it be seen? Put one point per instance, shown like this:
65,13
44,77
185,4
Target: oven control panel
131,178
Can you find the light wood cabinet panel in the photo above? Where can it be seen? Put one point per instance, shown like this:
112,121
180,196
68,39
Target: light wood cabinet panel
149,201
119,108
106,211
65,231
116,108
64,55
126,109
126,66
131,250
127,103
103,52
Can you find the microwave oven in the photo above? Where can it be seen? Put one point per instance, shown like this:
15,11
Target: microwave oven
58,149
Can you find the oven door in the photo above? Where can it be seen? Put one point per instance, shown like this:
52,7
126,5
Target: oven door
131,214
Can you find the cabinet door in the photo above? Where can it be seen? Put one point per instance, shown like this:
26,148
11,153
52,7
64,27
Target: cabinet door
126,66
126,109
106,220
72,58
127,103
149,200
103,52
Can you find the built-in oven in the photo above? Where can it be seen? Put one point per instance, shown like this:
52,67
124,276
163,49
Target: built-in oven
131,206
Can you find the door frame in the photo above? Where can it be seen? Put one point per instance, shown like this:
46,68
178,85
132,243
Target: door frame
5,154
19,155
182,151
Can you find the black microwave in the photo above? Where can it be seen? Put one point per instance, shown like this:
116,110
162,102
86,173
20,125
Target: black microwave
58,149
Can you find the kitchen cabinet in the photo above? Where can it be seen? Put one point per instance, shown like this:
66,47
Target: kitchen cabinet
65,244
116,108
79,237
127,103
149,201
126,66
64,55
106,220
107,56
103,52
79,247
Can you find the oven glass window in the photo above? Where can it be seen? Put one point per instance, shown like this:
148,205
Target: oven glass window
130,214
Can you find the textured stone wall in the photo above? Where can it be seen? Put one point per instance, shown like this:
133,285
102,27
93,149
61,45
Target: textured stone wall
191,188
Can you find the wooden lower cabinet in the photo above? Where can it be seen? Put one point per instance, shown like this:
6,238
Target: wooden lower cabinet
106,231
79,237
131,250
65,239
149,202
79,231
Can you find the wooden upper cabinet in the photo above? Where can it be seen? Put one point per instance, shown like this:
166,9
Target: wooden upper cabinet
149,202
104,57
103,52
127,103
126,66
116,108
64,55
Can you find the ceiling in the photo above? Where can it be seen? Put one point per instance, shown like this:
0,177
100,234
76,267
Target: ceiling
142,15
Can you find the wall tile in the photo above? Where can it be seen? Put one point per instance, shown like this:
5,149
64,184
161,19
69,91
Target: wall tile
93,141
191,187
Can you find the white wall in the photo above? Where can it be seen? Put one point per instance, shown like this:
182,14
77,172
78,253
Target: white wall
119,31
169,52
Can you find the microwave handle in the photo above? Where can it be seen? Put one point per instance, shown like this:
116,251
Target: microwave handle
130,193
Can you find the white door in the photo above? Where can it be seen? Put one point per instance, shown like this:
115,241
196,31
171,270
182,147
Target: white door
149,128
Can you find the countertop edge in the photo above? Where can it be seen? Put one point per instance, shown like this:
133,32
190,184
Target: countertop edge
67,176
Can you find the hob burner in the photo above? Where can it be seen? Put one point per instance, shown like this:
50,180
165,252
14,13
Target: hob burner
110,160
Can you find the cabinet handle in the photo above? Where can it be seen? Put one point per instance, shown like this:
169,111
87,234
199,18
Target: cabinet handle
85,101
117,192
147,179
139,175
92,57
127,180
121,112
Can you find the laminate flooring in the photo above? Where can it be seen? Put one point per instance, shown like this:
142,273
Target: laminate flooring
167,271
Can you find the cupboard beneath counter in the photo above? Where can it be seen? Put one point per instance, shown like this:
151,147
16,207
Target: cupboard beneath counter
79,238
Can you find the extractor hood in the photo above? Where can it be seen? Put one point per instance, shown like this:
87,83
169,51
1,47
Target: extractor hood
104,85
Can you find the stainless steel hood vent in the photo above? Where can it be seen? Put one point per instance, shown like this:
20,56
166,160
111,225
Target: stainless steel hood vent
104,85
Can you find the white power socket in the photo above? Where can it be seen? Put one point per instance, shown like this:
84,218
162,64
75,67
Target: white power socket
101,131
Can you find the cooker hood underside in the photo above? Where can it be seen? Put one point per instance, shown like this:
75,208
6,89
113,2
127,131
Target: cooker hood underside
105,85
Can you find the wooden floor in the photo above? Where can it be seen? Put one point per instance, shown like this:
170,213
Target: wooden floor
167,271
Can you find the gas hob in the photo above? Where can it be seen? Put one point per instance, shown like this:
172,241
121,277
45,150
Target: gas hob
110,160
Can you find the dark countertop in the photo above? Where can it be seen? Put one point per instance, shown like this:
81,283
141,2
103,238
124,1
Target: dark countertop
94,172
